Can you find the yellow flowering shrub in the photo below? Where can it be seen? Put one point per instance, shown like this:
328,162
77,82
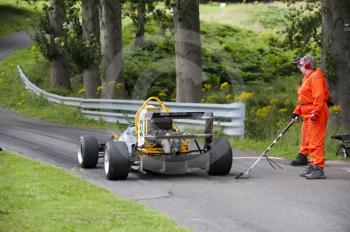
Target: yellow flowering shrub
35,52
82,91
244,96
282,111
263,112
119,86
229,98
336,109
162,94
111,83
273,101
207,87
20,103
224,85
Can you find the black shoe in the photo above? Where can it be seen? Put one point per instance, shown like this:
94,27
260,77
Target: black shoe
308,170
301,160
318,173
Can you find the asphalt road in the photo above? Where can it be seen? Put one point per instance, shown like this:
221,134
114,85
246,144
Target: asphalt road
270,200
13,42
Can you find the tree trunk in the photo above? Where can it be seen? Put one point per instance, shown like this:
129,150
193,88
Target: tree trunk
336,52
111,49
91,30
59,70
141,20
188,51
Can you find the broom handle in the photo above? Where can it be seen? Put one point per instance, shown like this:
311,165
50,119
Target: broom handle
272,144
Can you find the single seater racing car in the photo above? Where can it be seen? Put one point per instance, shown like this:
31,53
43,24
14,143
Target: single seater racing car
155,144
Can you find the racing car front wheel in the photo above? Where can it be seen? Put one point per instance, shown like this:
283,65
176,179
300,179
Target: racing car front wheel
220,157
116,160
88,151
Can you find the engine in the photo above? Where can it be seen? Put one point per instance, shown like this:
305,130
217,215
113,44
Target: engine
164,127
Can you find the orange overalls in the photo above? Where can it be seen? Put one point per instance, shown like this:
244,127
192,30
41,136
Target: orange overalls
313,94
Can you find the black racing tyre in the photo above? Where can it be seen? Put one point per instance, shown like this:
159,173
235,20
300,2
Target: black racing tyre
116,160
220,157
88,151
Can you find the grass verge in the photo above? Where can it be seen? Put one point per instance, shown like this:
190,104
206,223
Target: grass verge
37,197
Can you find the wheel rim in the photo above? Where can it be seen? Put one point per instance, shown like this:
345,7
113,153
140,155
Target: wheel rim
106,161
80,156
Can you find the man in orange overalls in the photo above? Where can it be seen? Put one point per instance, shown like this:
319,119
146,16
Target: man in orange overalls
312,107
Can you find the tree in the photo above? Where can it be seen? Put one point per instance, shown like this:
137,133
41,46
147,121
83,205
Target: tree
90,23
111,48
137,11
303,31
141,19
188,51
336,52
59,71
163,18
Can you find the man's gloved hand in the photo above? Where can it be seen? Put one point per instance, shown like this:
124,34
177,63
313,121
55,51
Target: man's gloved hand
295,117
313,117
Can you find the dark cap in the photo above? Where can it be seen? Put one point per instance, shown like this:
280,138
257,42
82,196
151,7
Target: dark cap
298,59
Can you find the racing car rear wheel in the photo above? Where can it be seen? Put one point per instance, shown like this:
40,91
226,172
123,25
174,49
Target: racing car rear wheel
88,151
116,160
220,157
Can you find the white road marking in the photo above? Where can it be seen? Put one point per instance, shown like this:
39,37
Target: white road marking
248,157
196,219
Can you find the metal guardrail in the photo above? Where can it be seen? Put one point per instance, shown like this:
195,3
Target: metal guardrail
229,117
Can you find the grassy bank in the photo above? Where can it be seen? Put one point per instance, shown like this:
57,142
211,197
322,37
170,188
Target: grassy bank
253,16
37,197
17,16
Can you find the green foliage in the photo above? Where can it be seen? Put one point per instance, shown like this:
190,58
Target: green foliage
228,55
130,9
79,52
162,17
273,17
38,197
42,32
151,68
303,31
154,11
